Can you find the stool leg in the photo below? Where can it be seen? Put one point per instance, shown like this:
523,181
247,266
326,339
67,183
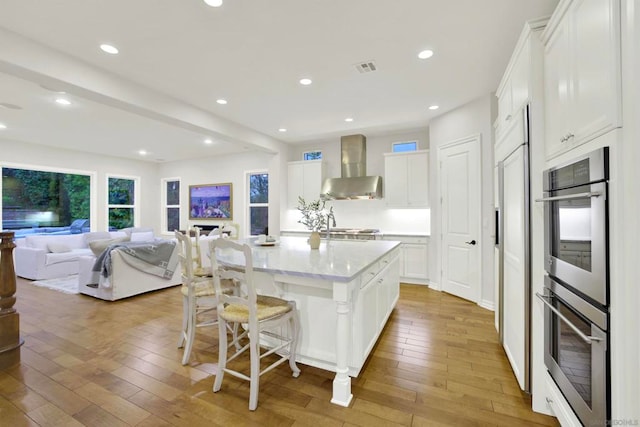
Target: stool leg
222,354
185,317
254,343
191,333
294,327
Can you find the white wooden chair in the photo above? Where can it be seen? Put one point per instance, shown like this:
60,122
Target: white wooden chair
198,295
260,316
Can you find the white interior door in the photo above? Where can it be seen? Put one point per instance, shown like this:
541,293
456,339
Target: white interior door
460,199
513,287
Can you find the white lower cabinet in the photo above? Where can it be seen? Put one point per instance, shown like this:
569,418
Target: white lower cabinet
375,300
414,258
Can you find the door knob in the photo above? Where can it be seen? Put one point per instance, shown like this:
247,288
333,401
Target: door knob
472,243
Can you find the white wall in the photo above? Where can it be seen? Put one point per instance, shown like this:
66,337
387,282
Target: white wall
473,118
364,213
25,155
229,168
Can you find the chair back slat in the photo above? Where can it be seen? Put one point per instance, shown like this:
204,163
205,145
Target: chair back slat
185,254
243,279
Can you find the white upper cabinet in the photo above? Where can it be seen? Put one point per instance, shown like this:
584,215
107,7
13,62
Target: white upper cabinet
513,92
406,179
305,179
516,89
581,73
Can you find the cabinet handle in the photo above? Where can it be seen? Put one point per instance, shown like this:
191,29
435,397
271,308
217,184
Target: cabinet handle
570,135
508,117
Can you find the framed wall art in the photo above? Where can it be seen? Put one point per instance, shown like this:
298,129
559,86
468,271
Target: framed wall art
211,201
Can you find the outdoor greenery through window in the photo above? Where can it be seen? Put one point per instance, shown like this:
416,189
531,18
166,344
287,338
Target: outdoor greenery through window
122,202
172,204
258,203
312,155
36,201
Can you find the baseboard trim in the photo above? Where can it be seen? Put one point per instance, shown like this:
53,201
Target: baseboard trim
489,305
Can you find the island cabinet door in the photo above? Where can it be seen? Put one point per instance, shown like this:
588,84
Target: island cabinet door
369,318
391,289
374,302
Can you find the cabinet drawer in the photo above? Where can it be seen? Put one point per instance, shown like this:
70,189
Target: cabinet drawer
369,274
388,258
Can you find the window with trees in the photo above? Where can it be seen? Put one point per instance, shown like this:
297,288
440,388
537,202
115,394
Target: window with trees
122,205
312,155
258,203
171,202
45,201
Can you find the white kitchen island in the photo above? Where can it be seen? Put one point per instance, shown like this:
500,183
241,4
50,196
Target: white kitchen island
344,291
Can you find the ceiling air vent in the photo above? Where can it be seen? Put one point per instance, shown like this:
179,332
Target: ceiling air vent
366,67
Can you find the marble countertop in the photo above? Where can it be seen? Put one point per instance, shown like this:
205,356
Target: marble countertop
337,260
382,232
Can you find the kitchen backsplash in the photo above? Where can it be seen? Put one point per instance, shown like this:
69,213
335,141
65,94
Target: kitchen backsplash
370,214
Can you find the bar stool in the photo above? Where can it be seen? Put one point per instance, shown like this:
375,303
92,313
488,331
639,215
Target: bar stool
199,296
258,314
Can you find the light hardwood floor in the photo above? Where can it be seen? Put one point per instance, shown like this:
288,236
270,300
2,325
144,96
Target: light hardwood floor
95,363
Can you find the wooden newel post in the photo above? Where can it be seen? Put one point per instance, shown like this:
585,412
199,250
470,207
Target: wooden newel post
10,340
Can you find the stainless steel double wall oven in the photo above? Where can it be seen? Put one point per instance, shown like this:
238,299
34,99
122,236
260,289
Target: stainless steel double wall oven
576,292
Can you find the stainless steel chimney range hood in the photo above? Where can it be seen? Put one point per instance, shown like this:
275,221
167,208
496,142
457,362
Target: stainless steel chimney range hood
354,183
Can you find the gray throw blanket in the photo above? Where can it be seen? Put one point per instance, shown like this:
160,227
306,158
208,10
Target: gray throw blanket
158,257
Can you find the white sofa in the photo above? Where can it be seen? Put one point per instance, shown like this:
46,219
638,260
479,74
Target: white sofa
125,280
45,256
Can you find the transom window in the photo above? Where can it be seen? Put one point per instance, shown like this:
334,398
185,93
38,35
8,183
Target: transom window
312,155
401,147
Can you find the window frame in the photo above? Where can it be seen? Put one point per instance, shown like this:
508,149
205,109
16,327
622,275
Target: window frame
248,198
93,185
164,220
399,143
136,197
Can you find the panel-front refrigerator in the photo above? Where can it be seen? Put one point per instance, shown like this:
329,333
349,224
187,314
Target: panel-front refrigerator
514,262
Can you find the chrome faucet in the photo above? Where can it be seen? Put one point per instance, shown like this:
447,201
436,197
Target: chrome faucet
331,217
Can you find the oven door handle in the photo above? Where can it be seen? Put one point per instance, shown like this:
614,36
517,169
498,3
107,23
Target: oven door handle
571,196
586,338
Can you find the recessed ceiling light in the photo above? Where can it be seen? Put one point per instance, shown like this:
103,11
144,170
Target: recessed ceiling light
348,119
3,126
282,130
434,107
63,101
213,3
425,54
208,141
305,82
109,49
142,152
221,101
